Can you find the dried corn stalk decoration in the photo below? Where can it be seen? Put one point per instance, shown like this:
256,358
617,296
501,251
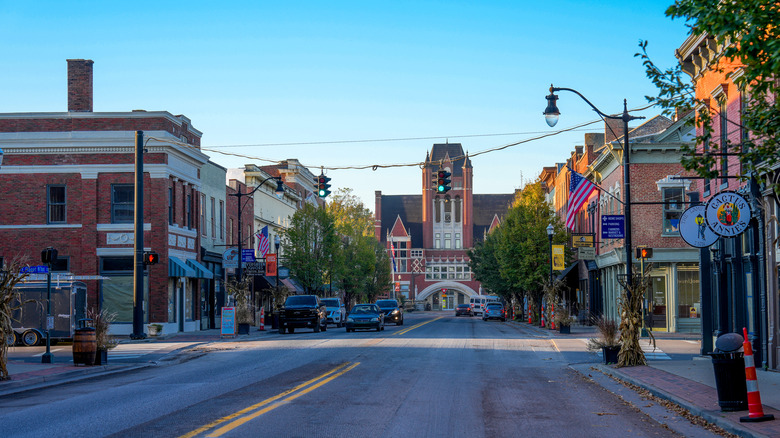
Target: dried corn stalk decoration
631,320
10,301
553,292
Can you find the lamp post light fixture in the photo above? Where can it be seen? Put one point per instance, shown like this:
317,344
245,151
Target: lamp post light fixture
279,194
551,115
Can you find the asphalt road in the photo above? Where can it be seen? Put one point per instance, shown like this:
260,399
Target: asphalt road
435,376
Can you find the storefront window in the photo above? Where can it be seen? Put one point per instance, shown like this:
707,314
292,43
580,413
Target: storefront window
688,304
117,293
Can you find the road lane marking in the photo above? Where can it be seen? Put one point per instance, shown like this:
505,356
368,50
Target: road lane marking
416,326
265,402
50,349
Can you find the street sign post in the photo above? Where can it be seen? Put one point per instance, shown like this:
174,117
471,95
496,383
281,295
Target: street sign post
613,226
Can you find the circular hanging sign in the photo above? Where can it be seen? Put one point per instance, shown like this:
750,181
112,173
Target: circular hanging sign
694,229
727,214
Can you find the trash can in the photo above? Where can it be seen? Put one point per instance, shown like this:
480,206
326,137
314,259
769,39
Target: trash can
729,367
84,344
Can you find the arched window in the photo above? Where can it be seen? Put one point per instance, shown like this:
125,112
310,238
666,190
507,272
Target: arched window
437,209
447,209
458,206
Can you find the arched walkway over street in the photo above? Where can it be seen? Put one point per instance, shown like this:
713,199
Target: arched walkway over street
457,293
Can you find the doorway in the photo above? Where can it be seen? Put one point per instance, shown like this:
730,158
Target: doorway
658,303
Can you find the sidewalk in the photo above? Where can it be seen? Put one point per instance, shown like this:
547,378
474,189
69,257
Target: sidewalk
688,383
26,376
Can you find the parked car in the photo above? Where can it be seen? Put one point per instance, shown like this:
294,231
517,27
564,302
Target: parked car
464,309
494,311
365,316
302,311
337,312
393,311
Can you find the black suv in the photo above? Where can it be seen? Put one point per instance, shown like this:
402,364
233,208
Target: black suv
302,311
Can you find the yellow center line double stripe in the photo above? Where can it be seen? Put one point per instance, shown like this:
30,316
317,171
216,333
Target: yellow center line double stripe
339,371
416,326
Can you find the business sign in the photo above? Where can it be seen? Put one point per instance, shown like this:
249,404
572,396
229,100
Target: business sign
228,321
613,226
248,255
254,268
270,265
693,228
559,261
582,240
727,214
283,272
586,253
230,258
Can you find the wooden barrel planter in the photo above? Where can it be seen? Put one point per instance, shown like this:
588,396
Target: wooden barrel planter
84,346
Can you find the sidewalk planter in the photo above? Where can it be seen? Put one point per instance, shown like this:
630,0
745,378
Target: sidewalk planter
243,328
565,329
154,329
730,381
101,356
610,354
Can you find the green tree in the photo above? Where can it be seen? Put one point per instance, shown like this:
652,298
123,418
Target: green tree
382,277
523,252
483,260
354,263
747,31
309,244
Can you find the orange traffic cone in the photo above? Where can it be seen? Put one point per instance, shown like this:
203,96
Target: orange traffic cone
542,315
755,407
552,317
530,315
262,320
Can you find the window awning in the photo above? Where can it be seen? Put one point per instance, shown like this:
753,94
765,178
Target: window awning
567,271
177,268
293,285
200,270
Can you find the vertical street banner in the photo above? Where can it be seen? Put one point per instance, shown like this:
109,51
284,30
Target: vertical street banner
559,261
270,265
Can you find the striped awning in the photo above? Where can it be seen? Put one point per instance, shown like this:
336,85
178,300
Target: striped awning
177,268
200,270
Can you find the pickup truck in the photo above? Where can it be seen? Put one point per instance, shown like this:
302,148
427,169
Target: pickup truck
303,311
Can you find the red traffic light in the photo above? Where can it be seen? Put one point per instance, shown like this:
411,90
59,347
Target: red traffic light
151,258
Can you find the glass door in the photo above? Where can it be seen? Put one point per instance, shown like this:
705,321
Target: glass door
658,303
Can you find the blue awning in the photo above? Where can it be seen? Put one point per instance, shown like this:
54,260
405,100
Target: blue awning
177,268
201,271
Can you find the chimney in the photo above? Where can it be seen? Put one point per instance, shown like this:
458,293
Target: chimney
614,133
80,85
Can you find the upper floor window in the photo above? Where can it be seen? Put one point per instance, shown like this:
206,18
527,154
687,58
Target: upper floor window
447,209
458,207
437,240
221,219
202,206
170,205
457,241
122,203
213,218
724,141
56,204
673,209
706,148
188,211
437,209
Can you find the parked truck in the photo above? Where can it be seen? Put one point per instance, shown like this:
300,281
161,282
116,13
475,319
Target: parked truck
68,306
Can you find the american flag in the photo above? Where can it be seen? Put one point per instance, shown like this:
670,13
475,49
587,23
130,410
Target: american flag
579,191
392,255
262,241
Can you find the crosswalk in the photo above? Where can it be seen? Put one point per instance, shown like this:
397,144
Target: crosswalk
647,348
134,351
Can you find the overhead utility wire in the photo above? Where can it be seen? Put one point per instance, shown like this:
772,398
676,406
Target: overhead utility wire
386,166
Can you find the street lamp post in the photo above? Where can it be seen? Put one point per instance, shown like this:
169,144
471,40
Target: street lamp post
279,193
551,115
550,232
277,242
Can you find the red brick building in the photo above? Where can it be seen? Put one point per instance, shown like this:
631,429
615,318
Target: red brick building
428,235
67,181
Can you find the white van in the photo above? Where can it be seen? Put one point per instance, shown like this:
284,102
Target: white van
479,302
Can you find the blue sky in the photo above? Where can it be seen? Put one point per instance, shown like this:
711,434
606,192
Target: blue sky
269,74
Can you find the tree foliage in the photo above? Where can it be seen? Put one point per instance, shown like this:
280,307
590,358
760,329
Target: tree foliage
515,258
747,30
309,244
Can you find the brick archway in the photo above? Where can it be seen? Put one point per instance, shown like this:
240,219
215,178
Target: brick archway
454,285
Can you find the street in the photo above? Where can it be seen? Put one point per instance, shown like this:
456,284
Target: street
437,375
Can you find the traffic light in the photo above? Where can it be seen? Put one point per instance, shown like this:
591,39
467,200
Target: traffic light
322,185
151,258
644,253
443,181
